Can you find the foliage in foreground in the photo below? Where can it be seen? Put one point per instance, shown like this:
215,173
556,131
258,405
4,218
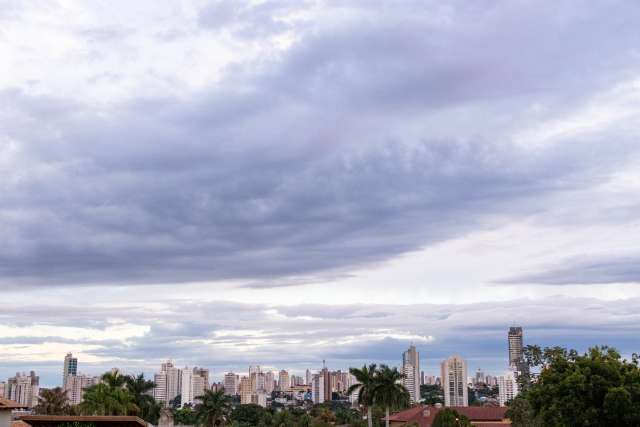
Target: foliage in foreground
450,418
597,388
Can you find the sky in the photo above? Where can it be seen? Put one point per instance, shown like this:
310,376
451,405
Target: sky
286,182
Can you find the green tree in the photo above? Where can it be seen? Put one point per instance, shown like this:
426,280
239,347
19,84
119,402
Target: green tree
250,415
214,409
109,397
521,414
283,418
366,383
52,401
597,388
185,416
389,390
448,417
432,394
140,389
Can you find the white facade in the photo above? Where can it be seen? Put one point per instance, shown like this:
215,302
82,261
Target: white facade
507,387
454,381
259,398
168,383
75,385
411,370
24,389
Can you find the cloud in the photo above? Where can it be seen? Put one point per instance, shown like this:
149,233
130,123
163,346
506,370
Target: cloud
231,336
584,271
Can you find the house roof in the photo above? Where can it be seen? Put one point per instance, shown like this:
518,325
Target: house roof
480,416
97,421
10,404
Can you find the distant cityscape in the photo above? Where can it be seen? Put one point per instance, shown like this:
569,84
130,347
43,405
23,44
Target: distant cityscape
179,387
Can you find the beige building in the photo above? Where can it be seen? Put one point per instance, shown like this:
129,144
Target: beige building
454,381
245,390
75,385
283,380
23,389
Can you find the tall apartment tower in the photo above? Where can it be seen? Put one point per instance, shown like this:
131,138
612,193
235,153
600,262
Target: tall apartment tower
168,383
283,380
23,388
245,391
411,370
231,384
507,387
70,368
516,359
454,381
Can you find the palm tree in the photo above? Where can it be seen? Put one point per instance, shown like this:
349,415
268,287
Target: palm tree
214,409
52,402
139,387
389,390
109,397
366,383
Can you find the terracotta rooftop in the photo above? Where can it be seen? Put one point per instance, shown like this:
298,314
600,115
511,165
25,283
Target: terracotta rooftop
10,404
97,421
480,416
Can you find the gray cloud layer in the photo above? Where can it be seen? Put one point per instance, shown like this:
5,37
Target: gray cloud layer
327,158
226,336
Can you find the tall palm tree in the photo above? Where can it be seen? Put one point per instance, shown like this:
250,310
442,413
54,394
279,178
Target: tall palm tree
109,397
214,409
366,383
52,401
389,390
140,389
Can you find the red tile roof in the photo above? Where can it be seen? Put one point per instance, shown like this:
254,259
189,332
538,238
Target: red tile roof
10,404
480,416
98,421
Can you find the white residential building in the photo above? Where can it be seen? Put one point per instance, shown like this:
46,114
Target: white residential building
411,370
187,387
454,381
75,385
318,388
507,387
23,389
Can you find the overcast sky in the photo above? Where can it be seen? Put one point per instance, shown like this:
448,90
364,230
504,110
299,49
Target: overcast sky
278,183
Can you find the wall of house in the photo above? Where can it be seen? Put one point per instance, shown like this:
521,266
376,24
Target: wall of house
5,418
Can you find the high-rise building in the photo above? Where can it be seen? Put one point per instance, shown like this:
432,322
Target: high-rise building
186,388
259,398
204,374
411,371
308,377
231,384
326,381
454,381
75,386
516,345
480,377
283,380
168,383
160,390
245,390
24,389
70,367
507,387
269,382
318,388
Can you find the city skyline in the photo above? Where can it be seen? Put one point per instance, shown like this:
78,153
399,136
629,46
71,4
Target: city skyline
232,183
